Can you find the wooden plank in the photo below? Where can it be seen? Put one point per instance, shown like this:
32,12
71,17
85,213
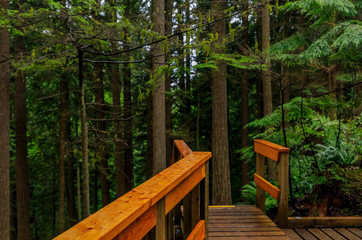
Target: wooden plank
182,147
355,231
260,170
283,180
207,194
347,234
118,215
267,186
319,234
139,228
268,149
305,234
333,234
179,192
199,231
161,228
323,221
254,238
250,220
230,225
243,229
195,205
249,234
291,234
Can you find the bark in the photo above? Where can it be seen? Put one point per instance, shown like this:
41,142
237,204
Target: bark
267,88
187,109
128,133
84,139
244,106
149,158
4,130
168,31
101,127
118,149
221,187
159,122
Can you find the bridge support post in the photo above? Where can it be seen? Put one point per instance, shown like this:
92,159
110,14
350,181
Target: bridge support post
161,220
204,202
260,170
283,179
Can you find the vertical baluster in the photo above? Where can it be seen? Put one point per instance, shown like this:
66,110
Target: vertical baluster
260,170
161,220
283,178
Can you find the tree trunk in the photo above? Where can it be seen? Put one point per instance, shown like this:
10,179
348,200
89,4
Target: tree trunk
159,124
4,130
101,127
221,187
84,139
187,109
149,158
267,88
118,148
128,133
244,105
168,31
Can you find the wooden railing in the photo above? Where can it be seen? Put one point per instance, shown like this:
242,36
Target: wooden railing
279,154
134,214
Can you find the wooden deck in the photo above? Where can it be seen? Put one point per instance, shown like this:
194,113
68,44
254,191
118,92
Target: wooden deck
242,222
324,233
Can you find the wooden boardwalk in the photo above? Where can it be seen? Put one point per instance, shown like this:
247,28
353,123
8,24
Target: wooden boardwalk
324,233
242,222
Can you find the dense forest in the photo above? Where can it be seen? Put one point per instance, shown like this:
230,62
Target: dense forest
93,92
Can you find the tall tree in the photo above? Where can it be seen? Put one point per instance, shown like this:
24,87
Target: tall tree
267,87
221,187
244,102
84,137
127,90
21,156
4,129
159,124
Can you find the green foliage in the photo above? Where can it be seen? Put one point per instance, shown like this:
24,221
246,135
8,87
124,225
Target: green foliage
248,192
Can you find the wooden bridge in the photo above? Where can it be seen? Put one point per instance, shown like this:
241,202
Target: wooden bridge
176,203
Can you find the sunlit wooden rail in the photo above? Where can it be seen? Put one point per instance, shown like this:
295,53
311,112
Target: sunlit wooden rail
157,202
134,214
279,154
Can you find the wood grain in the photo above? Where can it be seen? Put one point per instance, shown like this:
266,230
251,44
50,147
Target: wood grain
324,221
267,186
199,231
118,215
268,149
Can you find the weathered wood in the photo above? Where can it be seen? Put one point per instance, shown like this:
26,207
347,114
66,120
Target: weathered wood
283,179
319,234
139,228
199,231
161,219
179,192
305,234
268,149
267,186
333,234
356,231
347,234
206,199
118,215
291,234
231,226
254,238
187,228
260,170
323,221
195,205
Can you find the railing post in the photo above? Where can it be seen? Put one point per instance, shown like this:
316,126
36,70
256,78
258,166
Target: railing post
283,179
204,203
161,219
260,170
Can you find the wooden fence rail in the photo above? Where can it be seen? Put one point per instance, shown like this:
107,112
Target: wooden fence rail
279,154
134,214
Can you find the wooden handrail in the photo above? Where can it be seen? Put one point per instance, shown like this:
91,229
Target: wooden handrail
180,150
279,154
134,214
